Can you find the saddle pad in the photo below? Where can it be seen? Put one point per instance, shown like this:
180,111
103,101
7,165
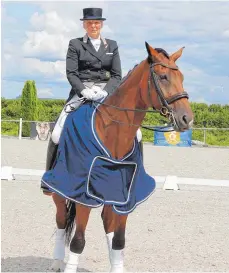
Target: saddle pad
86,173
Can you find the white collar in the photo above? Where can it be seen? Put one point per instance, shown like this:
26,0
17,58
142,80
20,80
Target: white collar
94,39
86,37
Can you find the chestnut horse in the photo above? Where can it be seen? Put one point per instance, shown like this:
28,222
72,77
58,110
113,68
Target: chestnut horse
154,83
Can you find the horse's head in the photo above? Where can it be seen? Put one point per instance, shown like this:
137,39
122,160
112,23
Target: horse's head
165,88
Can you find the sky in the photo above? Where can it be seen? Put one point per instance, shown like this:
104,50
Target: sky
35,37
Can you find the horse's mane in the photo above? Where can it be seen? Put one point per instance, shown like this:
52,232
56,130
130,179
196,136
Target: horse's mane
159,50
128,74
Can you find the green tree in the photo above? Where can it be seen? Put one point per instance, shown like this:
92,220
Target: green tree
215,115
29,106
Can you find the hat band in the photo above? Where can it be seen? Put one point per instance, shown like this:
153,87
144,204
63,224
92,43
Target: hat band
93,18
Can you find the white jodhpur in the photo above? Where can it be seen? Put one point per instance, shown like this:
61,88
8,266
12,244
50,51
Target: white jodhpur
59,127
59,251
73,104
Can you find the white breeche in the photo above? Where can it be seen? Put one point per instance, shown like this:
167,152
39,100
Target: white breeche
58,127
74,103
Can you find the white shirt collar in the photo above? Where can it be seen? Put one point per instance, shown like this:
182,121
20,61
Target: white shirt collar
92,39
95,42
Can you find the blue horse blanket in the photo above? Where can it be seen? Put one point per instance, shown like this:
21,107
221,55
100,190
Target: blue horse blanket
86,173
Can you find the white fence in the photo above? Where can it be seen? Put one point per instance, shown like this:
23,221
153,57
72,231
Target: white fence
204,130
21,121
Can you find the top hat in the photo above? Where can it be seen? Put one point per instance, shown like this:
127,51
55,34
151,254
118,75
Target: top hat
92,14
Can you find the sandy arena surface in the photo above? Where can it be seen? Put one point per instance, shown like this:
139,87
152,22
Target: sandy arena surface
173,231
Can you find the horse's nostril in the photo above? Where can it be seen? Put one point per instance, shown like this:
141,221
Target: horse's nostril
185,119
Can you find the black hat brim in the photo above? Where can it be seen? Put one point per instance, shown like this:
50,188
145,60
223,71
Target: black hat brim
93,18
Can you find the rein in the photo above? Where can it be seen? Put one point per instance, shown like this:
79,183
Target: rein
148,127
165,109
127,109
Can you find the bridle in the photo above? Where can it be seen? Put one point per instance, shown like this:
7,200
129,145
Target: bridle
165,109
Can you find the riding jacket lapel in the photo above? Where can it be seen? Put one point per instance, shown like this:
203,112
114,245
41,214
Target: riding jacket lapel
102,48
88,45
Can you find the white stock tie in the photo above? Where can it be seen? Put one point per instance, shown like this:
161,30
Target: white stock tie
96,43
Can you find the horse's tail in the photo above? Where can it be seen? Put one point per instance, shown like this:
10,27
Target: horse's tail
71,213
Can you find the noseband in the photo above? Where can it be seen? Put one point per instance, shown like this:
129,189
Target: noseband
165,109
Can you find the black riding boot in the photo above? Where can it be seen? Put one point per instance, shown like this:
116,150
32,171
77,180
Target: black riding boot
50,159
51,154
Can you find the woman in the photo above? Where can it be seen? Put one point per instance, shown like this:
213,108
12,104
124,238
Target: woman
93,69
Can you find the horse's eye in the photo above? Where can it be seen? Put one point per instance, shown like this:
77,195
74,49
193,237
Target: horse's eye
163,77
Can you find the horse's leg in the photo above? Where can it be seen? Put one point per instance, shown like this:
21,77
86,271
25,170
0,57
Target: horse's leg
59,247
118,244
78,241
115,226
108,217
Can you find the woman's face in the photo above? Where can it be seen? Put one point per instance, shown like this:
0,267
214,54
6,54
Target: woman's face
93,27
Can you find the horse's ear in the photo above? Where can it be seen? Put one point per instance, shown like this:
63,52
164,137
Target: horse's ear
151,51
147,48
177,54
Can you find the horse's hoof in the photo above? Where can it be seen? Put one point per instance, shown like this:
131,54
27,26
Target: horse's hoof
57,266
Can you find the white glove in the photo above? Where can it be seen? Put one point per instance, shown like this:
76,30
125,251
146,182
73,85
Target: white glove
88,93
94,93
96,88
99,95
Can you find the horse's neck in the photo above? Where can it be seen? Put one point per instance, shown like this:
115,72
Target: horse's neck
118,137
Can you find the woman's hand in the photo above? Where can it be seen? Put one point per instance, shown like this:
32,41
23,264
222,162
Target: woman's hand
94,93
88,93
99,95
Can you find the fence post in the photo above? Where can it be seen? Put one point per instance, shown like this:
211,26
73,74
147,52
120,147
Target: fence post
204,123
204,136
20,128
